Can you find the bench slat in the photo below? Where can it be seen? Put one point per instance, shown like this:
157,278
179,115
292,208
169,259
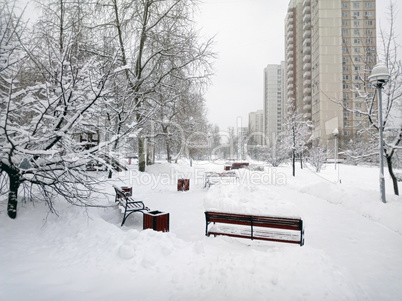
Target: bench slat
282,229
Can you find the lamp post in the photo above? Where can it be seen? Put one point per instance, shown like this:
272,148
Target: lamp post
335,133
379,78
336,136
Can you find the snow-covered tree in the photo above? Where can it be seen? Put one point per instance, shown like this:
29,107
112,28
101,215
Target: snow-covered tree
52,91
154,40
358,151
297,134
317,156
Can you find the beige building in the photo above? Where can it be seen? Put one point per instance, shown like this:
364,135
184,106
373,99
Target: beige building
330,50
256,128
274,106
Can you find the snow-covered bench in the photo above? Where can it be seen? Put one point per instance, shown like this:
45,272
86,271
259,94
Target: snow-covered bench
272,228
127,204
212,177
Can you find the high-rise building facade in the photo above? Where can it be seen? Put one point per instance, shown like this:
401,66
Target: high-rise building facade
274,106
256,128
330,51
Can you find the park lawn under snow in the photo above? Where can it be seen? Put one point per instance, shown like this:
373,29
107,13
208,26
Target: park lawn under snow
352,251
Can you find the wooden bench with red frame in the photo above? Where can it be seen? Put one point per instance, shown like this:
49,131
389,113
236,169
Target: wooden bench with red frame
270,228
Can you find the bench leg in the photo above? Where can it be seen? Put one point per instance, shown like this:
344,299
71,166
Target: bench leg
124,220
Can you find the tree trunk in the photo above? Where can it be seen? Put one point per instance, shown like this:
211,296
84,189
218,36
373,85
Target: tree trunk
391,173
294,163
13,194
301,160
141,154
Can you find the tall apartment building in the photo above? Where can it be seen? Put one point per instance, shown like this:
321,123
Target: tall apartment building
330,51
274,106
256,128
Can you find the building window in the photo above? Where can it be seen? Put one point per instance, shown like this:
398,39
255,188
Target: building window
344,31
369,32
344,59
345,86
344,23
356,23
357,59
344,5
369,59
368,4
356,32
344,49
346,123
358,114
356,14
356,41
357,49
345,77
369,22
356,5
345,41
344,14
345,114
346,133
369,41
368,13
345,68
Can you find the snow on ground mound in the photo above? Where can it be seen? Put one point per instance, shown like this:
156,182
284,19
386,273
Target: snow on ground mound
86,255
248,199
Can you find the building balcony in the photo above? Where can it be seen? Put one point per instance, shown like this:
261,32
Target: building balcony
290,19
306,17
307,99
307,51
290,80
306,2
307,83
290,86
306,9
307,42
306,58
307,107
306,25
307,116
306,66
307,91
306,75
307,34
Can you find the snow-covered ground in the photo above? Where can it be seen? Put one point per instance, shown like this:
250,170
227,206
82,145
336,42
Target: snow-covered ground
352,251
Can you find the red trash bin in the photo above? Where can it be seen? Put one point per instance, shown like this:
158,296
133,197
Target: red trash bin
183,184
128,190
156,220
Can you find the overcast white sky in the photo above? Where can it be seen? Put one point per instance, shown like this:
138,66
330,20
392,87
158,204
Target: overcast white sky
249,36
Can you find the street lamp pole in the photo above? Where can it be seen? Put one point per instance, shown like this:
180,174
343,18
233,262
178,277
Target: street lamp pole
380,128
379,78
335,133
